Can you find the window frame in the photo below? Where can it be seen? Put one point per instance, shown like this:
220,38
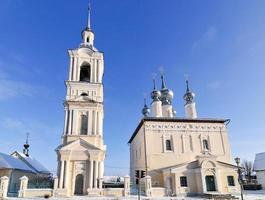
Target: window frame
83,117
231,182
205,146
165,138
183,181
168,143
85,68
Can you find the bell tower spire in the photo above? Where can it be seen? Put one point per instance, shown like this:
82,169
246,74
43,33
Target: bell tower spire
88,17
87,33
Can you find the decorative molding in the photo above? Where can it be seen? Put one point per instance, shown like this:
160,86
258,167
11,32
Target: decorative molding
184,127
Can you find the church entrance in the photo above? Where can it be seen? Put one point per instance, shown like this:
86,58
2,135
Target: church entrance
79,183
210,183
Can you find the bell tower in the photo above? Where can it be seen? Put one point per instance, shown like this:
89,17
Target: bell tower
82,151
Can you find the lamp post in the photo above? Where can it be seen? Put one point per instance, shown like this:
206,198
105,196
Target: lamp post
237,159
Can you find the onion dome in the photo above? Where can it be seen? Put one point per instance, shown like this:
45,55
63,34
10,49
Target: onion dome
155,94
189,95
166,94
145,110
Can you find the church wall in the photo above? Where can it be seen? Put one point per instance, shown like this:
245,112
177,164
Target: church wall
137,154
186,144
5,172
224,172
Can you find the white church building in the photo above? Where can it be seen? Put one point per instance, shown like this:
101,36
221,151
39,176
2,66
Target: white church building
82,151
184,155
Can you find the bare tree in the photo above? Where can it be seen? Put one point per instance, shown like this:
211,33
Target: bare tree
248,169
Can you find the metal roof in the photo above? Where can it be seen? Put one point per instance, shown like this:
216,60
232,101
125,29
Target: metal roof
259,163
32,163
10,162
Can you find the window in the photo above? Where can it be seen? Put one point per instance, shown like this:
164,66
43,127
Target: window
84,123
85,73
205,145
168,145
84,94
230,180
183,181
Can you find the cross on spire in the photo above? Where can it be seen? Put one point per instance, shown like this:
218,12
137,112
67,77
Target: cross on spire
187,81
26,146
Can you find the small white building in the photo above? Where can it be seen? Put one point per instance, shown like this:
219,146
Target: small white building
259,168
18,164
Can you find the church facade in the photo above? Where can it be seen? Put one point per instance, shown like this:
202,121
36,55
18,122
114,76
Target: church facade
187,155
82,151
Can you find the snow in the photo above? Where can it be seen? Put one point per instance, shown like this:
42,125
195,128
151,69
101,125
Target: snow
248,195
10,162
33,162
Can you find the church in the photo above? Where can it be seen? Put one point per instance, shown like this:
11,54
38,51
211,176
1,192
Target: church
185,155
82,151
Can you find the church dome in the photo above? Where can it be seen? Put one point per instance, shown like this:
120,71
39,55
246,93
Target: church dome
189,95
145,110
155,94
166,94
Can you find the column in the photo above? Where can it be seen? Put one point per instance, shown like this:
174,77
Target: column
90,126
96,175
87,114
148,186
101,168
99,71
95,123
70,122
23,186
4,186
218,180
100,175
77,69
126,186
70,68
94,66
204,190
91,166
99,123
55,183
61,175
66,173
65,121
74,120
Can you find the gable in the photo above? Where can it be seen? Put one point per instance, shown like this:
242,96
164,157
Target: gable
78,145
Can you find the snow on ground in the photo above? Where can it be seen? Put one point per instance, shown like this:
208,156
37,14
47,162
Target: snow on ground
248,195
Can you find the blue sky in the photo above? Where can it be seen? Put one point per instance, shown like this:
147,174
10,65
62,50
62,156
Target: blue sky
220,44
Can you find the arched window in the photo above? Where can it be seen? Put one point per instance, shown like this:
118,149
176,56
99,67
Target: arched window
83,125
168,145
205,145
85,73
84,94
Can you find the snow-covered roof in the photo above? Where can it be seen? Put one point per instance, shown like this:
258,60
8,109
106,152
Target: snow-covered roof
10,162
259,163
31,162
